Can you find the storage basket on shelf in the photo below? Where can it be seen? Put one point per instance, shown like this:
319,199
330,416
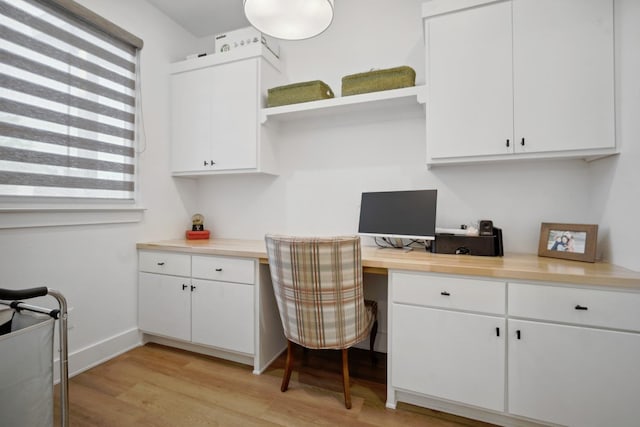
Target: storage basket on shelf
298,92
377,80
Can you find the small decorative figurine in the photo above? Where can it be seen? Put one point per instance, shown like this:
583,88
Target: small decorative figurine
197,231
198,222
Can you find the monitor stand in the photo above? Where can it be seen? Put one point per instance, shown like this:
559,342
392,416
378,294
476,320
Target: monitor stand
398,244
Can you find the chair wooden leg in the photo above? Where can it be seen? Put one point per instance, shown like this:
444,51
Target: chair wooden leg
288,367
345,378
372,341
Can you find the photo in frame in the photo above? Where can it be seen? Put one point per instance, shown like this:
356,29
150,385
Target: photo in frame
568,241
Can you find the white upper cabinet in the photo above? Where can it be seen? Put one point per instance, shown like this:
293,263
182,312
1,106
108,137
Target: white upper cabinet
191,127
563,74
214,125
519,79
470,91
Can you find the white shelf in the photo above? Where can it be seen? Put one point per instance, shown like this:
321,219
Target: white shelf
408,99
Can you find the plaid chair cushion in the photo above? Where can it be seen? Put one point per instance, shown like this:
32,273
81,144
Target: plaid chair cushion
318,287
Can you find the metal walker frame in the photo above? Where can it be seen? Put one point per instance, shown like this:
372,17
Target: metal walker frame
11,298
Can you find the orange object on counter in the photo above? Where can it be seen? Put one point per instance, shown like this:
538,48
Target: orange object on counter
197,235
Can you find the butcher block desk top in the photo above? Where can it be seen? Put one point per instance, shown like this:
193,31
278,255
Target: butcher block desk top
521,267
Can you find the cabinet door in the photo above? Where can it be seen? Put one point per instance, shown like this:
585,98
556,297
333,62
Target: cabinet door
574,376
469,81
563,74
452,355
234,116
164,305
223,315
191,127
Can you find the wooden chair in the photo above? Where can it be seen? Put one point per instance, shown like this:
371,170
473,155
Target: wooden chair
318,288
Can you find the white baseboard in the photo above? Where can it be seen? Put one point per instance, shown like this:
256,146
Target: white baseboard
95,354
209,351
462,410
259,371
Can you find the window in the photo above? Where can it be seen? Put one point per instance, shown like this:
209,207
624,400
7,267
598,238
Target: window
67,103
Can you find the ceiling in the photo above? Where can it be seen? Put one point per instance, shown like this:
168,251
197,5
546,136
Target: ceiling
204,17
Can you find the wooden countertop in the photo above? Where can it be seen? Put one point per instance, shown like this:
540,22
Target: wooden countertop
522,267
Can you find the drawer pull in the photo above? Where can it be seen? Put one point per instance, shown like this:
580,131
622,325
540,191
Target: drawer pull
161,263
445,293
518,334
218,269
581,307
192,288
497,332
184,286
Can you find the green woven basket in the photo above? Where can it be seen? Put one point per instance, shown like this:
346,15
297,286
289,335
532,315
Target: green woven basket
298,92
374,81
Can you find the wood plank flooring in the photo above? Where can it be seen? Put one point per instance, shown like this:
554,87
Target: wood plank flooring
154,385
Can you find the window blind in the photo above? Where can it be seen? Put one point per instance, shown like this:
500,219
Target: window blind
67,106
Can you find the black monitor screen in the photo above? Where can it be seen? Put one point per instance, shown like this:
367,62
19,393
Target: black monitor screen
408,214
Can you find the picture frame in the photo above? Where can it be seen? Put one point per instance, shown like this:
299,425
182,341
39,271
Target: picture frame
576,242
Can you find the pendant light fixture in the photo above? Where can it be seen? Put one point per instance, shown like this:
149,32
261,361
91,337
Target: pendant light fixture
289,19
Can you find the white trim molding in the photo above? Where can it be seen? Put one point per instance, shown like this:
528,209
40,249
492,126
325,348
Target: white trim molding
63,216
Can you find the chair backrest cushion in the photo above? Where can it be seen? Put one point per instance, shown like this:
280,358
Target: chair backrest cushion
318,288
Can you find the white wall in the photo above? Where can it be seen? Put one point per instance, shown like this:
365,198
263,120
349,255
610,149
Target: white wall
95,266
614,182
326,164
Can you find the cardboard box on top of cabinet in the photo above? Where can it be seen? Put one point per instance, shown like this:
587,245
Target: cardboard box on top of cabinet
243,37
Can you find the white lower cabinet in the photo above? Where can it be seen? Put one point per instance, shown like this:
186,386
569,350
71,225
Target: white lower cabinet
573,355
223,315
573,375
208,312
569,354
164,305
451,355
212,304
447,339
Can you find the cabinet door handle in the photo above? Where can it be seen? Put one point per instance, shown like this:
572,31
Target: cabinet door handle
508,143
518,334
445,293
184,286
206,163
192,288
161,263
581,307
522,142
497,332
218,269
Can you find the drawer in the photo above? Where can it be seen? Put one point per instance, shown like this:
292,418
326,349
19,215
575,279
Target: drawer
592,307
227,269
165,263
486,296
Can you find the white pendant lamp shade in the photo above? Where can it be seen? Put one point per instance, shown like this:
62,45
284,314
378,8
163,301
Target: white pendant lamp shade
289,19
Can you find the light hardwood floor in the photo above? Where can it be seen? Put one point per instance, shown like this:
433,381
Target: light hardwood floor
155,385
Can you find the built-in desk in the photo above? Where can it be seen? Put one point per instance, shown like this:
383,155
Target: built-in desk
511,266
513,340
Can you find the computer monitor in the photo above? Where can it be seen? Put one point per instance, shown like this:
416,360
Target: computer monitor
399,214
